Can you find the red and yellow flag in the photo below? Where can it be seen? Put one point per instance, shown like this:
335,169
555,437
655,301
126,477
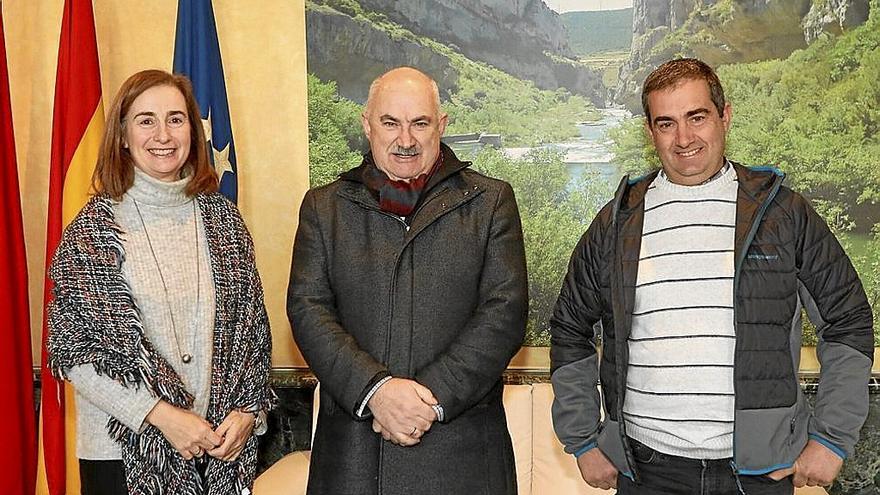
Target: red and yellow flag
77,125
18,455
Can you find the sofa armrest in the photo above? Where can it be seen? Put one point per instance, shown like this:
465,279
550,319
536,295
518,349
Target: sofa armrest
518,409
288,476
555,472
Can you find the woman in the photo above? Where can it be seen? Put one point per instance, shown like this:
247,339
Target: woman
158,318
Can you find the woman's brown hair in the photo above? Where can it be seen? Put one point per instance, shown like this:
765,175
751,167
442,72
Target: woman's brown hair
114,172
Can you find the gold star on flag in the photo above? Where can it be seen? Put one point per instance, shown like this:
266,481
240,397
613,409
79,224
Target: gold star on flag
206,124
221,161
221,157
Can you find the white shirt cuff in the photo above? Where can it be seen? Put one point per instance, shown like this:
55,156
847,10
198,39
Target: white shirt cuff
370,394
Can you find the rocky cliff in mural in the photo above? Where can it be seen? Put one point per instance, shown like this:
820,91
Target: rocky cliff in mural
352,51
729,31
834,16
521,37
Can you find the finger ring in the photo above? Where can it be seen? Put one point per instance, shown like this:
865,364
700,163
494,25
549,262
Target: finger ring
198,451
413,432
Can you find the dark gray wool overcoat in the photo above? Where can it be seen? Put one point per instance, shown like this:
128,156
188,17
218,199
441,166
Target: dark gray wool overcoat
441,300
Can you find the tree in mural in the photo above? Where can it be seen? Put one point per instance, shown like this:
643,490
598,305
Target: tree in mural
334,126
555,212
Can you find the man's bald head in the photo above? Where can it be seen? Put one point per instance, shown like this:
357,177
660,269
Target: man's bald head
403,122
403,76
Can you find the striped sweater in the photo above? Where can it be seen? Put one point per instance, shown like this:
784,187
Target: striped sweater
679,397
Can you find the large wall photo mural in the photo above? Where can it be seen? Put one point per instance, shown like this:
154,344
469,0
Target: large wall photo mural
545,95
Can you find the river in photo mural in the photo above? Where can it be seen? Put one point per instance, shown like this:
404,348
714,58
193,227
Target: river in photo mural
592,150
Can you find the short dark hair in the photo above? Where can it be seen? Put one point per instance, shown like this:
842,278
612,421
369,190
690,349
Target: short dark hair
114,172
682,69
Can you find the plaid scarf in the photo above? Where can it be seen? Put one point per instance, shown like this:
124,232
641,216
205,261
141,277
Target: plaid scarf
396,196
93,319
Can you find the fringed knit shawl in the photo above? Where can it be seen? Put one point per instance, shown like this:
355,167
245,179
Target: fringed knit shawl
93,319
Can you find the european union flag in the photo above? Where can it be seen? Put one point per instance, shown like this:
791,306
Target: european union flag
197,55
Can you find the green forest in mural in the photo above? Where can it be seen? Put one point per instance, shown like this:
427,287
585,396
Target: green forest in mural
815,114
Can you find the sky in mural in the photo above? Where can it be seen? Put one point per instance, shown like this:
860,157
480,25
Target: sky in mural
583,5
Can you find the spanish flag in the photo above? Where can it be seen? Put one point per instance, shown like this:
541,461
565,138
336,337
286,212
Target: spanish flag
77,125
18,455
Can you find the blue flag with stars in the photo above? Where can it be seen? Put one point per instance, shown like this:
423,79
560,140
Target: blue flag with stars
197,56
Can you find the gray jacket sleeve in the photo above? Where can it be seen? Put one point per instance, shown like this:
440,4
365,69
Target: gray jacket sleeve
836,303
332,353
573,359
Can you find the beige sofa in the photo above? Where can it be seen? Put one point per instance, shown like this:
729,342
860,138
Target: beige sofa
542,468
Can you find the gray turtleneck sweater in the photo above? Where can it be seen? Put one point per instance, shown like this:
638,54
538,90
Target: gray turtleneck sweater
178,317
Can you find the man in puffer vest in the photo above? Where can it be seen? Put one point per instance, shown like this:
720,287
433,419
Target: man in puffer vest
696,276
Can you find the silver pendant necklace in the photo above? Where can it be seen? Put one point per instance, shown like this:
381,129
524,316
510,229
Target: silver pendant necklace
186,357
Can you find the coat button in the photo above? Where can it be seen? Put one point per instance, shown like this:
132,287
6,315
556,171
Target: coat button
466,193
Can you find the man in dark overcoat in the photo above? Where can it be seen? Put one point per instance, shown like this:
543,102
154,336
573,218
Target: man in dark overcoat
407,298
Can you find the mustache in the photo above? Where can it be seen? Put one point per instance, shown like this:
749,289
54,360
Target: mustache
410,151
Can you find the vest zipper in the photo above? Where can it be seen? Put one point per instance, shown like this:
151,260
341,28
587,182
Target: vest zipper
753,230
